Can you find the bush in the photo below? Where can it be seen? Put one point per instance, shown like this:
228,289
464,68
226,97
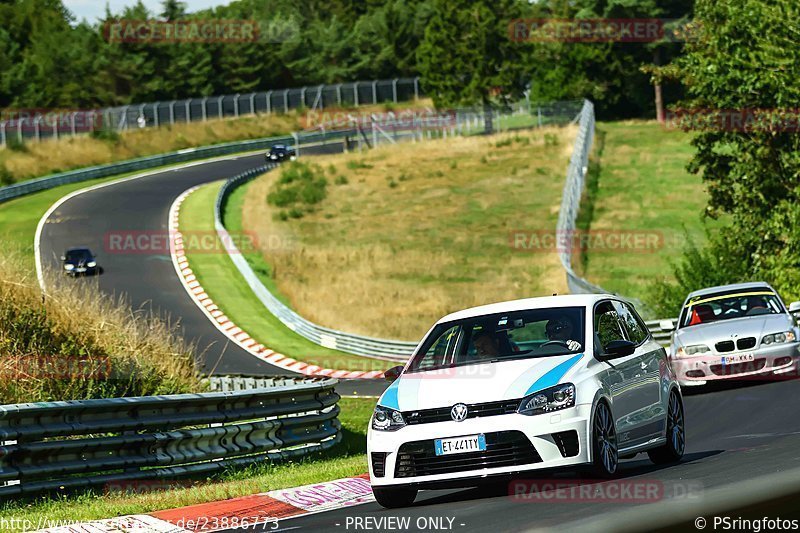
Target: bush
299,187
16,144
6,178
355,165
107,135
342,180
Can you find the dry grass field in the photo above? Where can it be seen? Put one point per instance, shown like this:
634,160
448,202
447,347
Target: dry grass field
411,232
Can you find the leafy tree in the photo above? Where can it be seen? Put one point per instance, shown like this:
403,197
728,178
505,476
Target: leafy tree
745,61
467,56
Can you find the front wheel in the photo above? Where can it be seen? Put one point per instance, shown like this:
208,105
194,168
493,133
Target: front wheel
605,457
672,450
394,498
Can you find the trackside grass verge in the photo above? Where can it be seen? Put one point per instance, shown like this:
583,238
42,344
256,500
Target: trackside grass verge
407,233
224,284
345,460
638,184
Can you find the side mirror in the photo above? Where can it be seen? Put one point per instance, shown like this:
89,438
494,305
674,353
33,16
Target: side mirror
616,349
794,307
668,325
393,373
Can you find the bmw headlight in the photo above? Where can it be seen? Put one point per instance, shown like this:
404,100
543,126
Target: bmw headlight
91,264
547,400
69,267
694,349
778,338
385,419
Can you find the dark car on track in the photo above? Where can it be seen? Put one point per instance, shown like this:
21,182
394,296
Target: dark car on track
281,152
79,262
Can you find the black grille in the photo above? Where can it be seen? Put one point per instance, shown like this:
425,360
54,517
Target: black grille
504,448
738,368
746,343
379,463
567,442
477,410
725,346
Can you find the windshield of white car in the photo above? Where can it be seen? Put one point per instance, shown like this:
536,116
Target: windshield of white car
502,337
725,306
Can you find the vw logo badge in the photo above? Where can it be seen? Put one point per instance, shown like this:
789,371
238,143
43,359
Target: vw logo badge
459,412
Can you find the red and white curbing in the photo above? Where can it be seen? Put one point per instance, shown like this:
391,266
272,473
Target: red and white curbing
269,508
225,325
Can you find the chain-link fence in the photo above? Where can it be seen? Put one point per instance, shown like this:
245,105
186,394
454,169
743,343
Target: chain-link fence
38,124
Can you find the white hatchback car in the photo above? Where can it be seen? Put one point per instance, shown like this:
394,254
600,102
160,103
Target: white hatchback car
524,385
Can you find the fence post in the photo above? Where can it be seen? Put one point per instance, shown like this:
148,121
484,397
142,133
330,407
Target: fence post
416,89
36,132
269,102
253,104
219,105
172,113
355,93
303,97
286,101
320,98
539,114
394,90
339,94
19,128
375,92
236,105
55,126
188,111
203,104
156,119
3,133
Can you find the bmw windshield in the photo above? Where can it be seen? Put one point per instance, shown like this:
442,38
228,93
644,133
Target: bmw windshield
502,336
728,305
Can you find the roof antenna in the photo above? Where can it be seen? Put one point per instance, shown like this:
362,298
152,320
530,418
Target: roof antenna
555,294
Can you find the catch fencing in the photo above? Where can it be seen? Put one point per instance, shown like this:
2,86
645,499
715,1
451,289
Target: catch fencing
121,441
45,124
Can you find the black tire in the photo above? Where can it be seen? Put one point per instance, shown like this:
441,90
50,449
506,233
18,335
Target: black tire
605,456
672,450
394,498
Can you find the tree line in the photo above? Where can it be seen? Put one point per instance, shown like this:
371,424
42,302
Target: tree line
462,51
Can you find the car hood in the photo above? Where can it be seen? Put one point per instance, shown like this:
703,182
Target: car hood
751,326
478,383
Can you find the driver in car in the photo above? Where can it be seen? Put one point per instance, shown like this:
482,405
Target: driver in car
487,345
561,329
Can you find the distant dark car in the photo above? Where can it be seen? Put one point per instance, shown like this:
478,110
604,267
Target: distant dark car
281,152
80,262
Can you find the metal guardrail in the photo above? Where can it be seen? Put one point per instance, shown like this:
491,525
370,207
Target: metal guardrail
38,124
89,443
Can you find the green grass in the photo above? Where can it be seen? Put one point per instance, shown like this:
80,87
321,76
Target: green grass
223,283
638,182
345,460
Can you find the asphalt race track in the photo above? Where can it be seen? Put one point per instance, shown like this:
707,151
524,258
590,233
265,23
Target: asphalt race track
734,434
148,281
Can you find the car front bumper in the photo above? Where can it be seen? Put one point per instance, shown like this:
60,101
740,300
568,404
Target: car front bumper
538,442
779,360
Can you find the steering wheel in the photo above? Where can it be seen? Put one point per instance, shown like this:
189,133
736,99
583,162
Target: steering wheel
560,342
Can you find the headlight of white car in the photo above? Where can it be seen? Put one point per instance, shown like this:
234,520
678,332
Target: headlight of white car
778,338
385,419
547,400
694,349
